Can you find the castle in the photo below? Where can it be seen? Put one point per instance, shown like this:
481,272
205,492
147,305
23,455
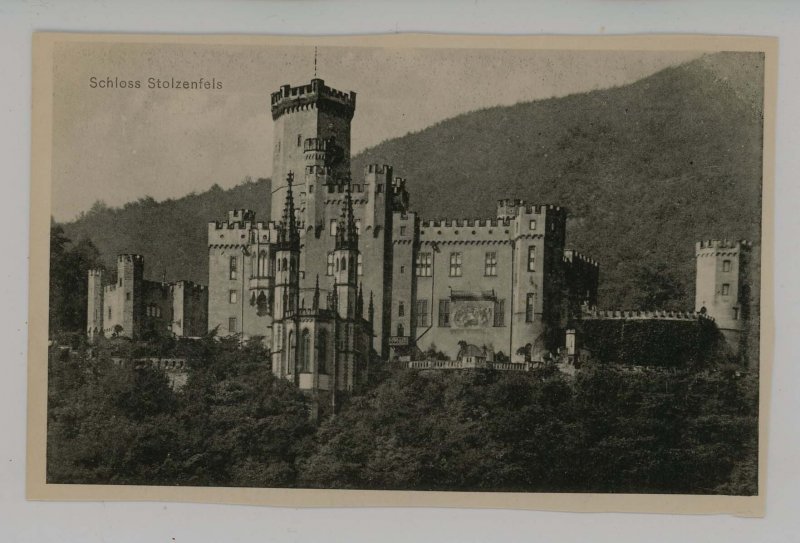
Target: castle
345,268
132,306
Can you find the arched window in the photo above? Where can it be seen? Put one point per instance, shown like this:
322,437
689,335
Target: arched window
305,351
344,264
400,330
322,352
284,265
262,264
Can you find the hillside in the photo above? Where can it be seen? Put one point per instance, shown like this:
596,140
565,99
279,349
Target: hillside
644,169
172,234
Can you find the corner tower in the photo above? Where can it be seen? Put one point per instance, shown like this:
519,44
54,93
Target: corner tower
309,112
723,288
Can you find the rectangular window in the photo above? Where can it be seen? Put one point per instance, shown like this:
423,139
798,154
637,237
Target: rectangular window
726,289
490,265
234,267
455,264
401,309
533,225
379,188
128,296
726,265
232,325
402,230
422,313
402,269
330,264
530,303
333,227
531,259
360,264
499,313
444,312
109,312
736,313
299,140
424,264
233,296
358,226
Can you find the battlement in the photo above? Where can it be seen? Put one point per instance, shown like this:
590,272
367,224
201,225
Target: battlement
466,230
290,98
466,223
96,273
382,169
712,245
189,286
130,257
571,256
398,184
611,314
239,219
512,207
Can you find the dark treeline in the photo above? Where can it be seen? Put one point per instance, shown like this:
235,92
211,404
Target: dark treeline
234,424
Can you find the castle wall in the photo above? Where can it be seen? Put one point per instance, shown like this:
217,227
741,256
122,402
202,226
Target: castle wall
479,305
405,232
189,309
94,307
233,294
155,314
510,287
582,278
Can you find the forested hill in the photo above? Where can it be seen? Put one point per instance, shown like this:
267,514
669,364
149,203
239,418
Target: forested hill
644,170
172,234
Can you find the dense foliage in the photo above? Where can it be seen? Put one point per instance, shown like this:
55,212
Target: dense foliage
644,169
69,266
234,424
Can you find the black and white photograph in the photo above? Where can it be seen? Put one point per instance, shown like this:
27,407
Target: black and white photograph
456,268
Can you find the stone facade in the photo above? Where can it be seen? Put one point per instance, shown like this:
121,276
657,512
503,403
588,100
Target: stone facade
724,287
132,306
501,282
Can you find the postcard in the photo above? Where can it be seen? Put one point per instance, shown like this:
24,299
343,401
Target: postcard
406,270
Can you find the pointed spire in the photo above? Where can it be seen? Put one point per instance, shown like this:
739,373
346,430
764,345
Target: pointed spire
334,300
316,295
346,234
360,302
288,233
371,310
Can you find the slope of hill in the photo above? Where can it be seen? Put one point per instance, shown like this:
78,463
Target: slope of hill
644,170
173,234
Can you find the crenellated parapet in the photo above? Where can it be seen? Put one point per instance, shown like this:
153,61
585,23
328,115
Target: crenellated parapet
189,287
514,207
313,95
716,247
240,229
573,257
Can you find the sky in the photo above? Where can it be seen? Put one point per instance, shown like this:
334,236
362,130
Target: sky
118,145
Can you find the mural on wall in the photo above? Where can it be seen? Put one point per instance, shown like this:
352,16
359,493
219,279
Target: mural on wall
472,314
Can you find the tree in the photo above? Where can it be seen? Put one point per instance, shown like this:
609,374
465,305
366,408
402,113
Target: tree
69,267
